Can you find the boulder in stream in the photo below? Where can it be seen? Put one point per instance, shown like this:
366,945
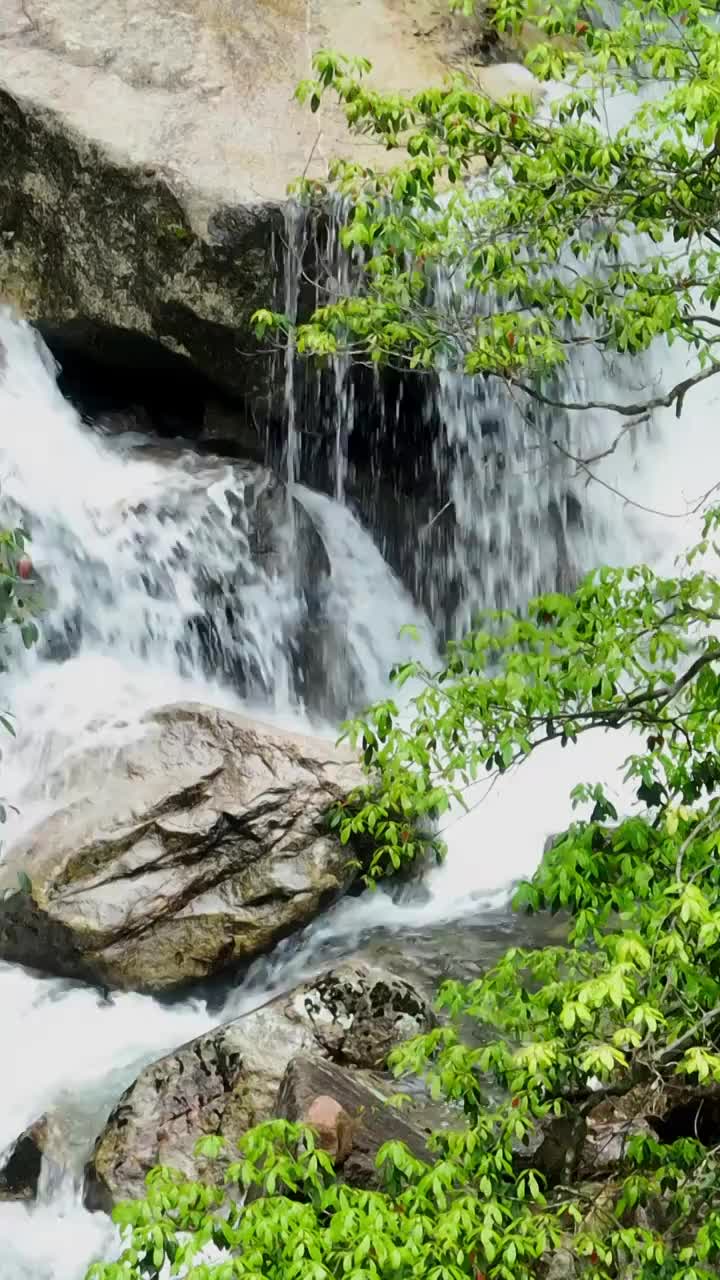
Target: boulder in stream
191,849
20,1167
228,1080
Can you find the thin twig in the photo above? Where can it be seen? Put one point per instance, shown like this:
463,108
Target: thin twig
701,826
436,517
312,153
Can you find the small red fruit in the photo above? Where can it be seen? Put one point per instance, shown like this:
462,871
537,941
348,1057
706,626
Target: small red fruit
511,339
581,28
515,1102
594,1258
24,567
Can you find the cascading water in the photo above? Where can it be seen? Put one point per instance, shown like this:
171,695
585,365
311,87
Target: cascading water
127,539
156,568
168,577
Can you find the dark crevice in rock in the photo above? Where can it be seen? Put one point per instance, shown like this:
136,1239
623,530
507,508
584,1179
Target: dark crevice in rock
697,1117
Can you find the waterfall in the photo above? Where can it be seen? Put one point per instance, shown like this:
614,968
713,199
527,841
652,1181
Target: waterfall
166,576
468,487
139,546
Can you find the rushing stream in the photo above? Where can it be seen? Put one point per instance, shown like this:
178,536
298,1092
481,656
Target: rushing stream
167,576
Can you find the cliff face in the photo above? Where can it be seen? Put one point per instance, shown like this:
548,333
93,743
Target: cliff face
147,150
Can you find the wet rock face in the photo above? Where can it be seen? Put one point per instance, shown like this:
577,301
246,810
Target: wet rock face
20,1172
226,536
90,247
360,1014
147,151
227,1081
190,850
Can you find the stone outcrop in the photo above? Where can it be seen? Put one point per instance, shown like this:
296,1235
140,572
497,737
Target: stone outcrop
192,849
228,1080
147,151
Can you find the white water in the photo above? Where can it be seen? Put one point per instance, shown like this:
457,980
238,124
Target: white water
125,542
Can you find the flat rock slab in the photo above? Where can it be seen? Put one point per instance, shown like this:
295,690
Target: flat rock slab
369,1121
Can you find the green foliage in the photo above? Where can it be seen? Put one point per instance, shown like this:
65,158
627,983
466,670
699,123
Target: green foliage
17,592
547,242
628,649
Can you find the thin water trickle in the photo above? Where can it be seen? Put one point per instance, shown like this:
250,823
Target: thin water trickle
296,235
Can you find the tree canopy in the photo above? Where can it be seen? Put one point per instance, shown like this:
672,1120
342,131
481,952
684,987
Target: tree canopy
589,220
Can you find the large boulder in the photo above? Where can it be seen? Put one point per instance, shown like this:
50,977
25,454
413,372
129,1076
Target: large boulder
146,151
193,848
228,1080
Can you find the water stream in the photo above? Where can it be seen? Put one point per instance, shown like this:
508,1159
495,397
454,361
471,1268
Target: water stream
166,577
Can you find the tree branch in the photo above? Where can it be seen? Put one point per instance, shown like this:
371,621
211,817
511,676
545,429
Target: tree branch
675,396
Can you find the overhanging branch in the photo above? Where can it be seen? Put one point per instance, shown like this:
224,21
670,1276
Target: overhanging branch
675,396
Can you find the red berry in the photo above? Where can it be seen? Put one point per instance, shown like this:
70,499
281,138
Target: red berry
594,1258
581,28
24,567
516,1102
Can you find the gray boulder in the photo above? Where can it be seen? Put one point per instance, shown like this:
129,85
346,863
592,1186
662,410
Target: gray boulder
146,152
191,849
359,1013
228,1080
